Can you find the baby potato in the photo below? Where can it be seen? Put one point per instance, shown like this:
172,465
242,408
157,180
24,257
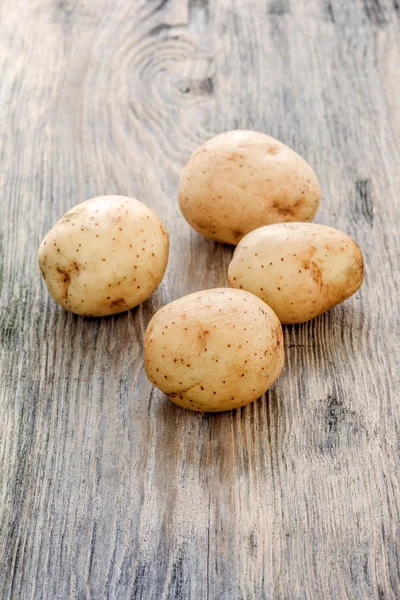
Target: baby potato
241,180
300,270
104,256
214,350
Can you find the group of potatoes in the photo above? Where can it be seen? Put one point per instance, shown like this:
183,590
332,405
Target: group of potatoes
216,349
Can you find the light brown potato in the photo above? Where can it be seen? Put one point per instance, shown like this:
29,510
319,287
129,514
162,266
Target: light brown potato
104,256
241,180
300,270
214,350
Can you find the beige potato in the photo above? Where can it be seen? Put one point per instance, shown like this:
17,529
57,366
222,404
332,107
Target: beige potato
241,180
104,256
214,350
300,270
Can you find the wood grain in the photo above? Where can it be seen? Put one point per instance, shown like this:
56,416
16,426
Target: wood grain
108,490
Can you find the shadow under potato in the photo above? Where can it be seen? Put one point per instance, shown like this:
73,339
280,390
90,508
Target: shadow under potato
217,441
144,311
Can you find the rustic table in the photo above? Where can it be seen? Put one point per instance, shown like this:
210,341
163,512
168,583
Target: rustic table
107,489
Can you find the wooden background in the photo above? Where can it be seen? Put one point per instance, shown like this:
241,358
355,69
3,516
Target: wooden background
108,490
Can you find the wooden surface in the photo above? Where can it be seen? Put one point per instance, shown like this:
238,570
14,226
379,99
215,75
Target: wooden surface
107,490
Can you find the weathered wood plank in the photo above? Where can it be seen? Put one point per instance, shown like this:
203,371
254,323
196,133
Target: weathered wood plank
106,488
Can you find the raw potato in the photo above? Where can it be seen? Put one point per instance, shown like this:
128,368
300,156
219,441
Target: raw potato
104,256
241,180
299,269
214,350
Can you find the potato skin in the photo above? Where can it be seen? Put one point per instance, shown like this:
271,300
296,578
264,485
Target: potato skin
241,180
104,256
300,270
214,350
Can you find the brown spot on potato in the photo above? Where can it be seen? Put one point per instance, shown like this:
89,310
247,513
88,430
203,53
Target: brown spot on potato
307,254
163,230
68,216
316,273
273,150
65,280
281,209
119,303
202,337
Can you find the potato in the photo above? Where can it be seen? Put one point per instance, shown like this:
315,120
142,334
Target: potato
214,350
299,269
241,180
104,256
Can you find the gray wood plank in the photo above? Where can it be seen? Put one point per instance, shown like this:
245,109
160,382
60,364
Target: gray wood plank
108,490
